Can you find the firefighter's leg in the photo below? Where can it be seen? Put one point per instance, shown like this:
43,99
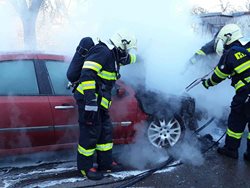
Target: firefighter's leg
236,125
87,142
105,144
247,153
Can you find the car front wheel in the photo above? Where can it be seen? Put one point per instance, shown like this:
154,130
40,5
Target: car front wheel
163,132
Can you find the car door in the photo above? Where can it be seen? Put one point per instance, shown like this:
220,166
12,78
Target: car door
25,115
64,108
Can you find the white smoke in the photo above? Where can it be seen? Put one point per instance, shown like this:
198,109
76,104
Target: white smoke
166,41
10,32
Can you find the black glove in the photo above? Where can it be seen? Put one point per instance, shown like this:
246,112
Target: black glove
205,83
90,117
121,56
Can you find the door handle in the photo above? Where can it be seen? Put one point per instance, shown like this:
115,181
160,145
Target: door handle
64,107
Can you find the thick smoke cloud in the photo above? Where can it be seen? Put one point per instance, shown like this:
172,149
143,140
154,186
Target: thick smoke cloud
166,41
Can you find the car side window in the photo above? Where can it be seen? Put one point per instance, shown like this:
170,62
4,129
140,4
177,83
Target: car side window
18,77
57,73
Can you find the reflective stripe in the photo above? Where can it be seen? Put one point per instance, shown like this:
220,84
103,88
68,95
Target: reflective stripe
234,134
91,108
83,172
132,58
242,67
80,90
248,136
213,83
107,75
85,152
200,52
220,74
240,84
247,79
104,147
206,83
86,85
105,103
92,65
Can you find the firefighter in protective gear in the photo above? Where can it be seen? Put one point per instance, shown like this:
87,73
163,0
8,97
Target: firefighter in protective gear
207,49
99,72
234,63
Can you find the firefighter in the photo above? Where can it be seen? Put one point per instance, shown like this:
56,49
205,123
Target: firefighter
205,51
235,64
99,72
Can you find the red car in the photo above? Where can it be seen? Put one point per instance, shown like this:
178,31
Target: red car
38,111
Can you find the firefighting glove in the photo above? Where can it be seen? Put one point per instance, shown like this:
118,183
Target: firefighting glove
205,83
121,55
90,117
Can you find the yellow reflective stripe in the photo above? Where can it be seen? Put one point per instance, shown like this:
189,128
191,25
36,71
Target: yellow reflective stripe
83,172
105,103
104,147
206,83
85,152
200,52
107,75
86,85
234,134
213,82
132,58
80,90
238,85
220,74
92,65
242,67
247,79
248,136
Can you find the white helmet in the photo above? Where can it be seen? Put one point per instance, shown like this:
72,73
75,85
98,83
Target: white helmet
124,40
227,35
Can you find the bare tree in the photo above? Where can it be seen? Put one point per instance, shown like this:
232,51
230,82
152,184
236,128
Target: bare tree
198,10
247,5
28,11
225,6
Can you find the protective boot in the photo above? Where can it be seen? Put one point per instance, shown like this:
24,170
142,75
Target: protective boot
247,156
228,152
92,174
115,167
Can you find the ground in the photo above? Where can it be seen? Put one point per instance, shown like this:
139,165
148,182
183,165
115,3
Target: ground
208,170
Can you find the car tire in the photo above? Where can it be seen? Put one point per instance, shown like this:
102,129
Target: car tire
165,132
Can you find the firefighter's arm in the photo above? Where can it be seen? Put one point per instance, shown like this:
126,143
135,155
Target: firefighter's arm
128,58
205,50
221,72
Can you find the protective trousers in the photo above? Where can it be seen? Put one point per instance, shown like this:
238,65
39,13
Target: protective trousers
237,121
94,138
